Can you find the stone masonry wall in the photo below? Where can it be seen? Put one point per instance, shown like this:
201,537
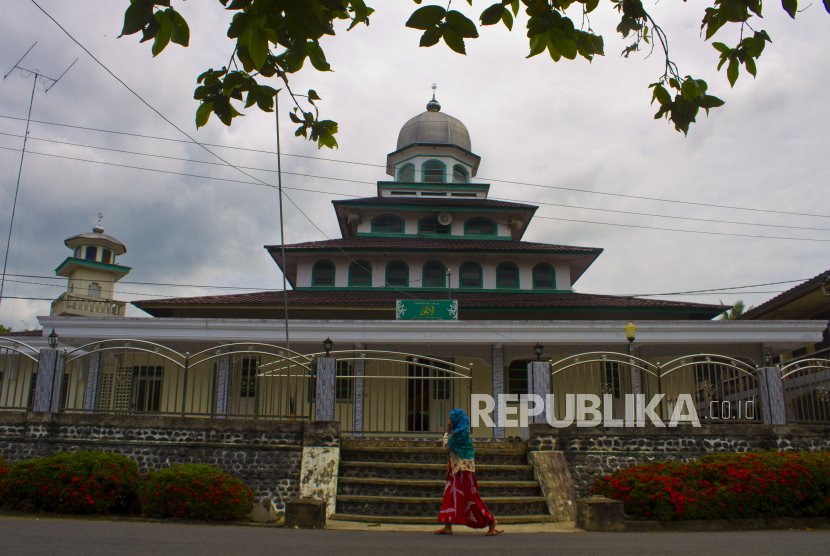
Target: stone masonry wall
595,451
265,454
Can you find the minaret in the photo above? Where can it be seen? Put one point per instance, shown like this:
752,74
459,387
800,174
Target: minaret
92,273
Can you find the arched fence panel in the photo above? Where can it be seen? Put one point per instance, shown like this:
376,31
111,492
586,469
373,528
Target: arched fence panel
18,374
608,375
806,385
396,393
249,380
722,388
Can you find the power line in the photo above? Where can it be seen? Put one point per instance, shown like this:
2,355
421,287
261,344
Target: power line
63,287
723,289
355,196
717,221
142,283
575,190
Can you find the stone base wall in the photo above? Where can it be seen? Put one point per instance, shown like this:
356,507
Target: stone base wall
265,454
595,451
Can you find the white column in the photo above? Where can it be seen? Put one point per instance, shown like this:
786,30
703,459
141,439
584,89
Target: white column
498,386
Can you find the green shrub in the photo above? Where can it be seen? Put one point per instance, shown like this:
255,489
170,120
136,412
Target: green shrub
734,486
81,482
194,491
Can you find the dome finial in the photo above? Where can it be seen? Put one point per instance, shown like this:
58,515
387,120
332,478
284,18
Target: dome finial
98,229
434,105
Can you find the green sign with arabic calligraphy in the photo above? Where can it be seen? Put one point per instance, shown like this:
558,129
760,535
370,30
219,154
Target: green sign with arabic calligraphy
418,309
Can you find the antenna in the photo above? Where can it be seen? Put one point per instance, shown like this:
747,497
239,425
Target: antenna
47,83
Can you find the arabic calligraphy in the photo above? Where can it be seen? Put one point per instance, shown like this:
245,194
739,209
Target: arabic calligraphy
427,311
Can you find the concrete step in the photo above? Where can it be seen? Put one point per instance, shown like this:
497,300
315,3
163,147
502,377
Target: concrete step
432,471
430,455
370,486
347,443
503,520
429,507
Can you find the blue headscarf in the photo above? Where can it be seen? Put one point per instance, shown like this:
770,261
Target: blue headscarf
459,441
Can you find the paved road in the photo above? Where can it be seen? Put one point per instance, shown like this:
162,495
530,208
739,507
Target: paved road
53,537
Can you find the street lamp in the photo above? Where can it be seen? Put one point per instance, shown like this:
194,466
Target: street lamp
537,349
327,343
630,334
53,340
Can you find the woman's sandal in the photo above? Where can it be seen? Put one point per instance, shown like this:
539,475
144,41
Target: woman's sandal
493,533
442,532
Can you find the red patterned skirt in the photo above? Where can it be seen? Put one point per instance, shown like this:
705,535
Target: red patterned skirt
462,503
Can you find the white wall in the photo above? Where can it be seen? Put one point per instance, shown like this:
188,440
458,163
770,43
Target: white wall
488,264
456,227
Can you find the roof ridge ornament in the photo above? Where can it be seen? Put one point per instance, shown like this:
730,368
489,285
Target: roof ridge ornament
433,105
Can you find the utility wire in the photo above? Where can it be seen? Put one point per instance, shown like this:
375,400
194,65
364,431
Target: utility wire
142,283
575,190
716,221
260,182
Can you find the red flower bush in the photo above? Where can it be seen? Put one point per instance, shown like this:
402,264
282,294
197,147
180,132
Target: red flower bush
195,491
734,486
82,482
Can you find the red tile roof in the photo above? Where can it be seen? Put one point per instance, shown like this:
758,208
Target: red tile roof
783,298
465,299
418,244
433,201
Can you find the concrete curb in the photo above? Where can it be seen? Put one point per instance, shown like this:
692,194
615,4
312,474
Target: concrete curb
716,525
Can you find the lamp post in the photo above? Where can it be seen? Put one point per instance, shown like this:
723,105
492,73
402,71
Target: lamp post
630,335
53,340
327,344
537,349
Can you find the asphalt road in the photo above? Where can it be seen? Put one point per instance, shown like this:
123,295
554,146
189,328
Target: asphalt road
53,537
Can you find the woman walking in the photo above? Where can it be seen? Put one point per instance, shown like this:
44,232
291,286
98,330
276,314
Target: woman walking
462,503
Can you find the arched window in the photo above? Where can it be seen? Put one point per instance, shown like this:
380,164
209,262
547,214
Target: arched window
430,225
387,224
91,253
78,252
544,276
435,275
470,275
459,174
407,173
507,276
479,227
322,274
94,290
106,256
397,274
434,172
360,274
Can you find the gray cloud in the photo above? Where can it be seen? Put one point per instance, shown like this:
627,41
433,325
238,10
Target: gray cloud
569,124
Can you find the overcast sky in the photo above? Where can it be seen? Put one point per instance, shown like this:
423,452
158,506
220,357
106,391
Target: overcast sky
568,124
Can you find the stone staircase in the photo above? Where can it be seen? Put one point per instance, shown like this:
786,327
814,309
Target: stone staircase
402,481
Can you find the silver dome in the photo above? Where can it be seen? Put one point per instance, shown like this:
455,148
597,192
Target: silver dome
434,127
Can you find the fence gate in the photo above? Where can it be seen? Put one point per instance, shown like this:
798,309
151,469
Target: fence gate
807,390
380,392
18,374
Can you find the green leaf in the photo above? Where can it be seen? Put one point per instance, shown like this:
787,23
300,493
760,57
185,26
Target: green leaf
163,34
750,66
492,15
706,102
790,6
317,57
239,4
294,118
827,5
432,35
454,41
136,17
720,47
150,31
426,17
238,25
661,94
515,6
565,46
312,95
538,43
462,26
258,46
203,114
507,17
181,32
732,71
554,53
